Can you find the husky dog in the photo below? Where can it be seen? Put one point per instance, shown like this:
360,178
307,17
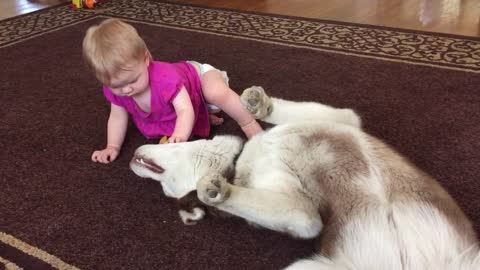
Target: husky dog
316,173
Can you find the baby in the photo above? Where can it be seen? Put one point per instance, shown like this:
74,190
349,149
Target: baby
162,98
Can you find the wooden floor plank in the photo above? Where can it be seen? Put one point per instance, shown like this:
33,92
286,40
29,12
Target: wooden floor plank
444,16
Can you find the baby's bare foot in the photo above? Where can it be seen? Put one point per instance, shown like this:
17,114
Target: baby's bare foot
215,120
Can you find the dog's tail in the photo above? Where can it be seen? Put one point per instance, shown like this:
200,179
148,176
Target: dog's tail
468,260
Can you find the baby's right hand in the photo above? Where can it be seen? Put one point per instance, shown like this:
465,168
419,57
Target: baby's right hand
106,155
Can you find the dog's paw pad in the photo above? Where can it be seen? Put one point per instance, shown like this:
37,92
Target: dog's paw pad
256,102
212,190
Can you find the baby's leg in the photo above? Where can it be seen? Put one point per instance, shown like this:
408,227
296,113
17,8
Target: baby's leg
217,92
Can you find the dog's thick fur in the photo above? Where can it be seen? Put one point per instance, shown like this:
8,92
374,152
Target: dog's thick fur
317,173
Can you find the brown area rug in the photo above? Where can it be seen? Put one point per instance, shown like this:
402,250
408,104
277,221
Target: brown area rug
419,92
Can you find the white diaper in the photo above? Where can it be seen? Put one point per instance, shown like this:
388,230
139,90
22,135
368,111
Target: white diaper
205,68
212,108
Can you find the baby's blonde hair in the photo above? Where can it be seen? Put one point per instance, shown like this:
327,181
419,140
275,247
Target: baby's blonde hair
112,46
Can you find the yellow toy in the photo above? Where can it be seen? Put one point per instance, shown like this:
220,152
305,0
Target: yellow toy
84,3
163,140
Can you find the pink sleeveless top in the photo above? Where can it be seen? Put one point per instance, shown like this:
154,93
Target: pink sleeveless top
166,80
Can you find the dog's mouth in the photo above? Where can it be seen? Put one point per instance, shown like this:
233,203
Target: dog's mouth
148,164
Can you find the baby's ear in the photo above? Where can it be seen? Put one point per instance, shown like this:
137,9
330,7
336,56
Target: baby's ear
148,56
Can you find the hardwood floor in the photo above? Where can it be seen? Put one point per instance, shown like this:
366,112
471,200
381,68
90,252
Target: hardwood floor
11,8
445,16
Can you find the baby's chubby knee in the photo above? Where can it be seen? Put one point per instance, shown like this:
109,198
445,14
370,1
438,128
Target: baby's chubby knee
214,87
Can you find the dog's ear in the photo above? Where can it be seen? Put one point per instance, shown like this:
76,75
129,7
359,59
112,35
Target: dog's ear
191,208
189,201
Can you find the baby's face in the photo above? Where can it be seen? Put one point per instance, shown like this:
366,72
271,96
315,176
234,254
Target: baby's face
131,81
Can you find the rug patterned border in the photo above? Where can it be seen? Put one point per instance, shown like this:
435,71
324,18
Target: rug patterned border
460,53
30,257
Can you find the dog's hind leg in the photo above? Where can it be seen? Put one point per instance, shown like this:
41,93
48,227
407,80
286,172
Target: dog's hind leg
289,213
278,111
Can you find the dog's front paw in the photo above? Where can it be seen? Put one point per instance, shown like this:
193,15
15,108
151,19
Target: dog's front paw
213,190
256,101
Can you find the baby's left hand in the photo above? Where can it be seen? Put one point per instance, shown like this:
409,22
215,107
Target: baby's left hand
175,139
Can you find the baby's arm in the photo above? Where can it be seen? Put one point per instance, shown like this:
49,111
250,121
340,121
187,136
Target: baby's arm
116,130
185,117
117,126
